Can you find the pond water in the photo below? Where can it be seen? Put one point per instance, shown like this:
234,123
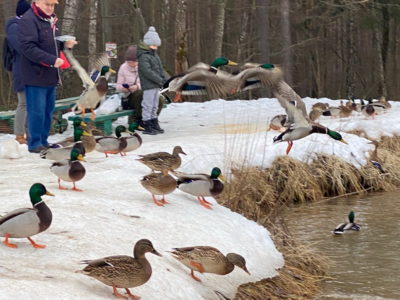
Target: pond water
364,264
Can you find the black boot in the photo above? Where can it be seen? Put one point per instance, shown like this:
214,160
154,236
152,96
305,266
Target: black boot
156,126
148,128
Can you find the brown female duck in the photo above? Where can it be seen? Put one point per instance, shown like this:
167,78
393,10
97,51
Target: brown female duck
163,160
122,271
159,184
205,259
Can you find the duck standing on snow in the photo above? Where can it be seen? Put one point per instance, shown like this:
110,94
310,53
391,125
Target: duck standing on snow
278,123
63,153
26,222
201,185
122,271
301,127
70,170
111,144
160,161
350,225
205,259
159,184
134,140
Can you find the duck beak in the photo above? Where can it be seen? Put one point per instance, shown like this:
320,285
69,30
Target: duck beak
112,71
222,177
83,124
80,157
85,133
128,131
49,194
155,252
343,141
247,271
231,63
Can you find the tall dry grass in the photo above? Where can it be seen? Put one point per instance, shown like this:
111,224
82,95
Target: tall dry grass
262,194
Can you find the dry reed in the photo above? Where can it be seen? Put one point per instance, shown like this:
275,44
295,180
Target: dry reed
261,194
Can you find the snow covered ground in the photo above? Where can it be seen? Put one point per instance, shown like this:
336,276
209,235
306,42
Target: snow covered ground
115,211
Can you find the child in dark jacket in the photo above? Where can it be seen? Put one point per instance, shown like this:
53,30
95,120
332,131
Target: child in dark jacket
152,77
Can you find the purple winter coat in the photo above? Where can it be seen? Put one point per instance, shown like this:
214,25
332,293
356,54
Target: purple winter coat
39,51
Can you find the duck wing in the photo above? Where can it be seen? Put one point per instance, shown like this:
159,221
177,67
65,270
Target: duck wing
203,81
296,118
283,90
254,77
14,213
84,76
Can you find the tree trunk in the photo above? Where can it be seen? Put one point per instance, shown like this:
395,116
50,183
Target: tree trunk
287,41
350,56
382,89
69,19
139,15
181,48
262,23
219,27
92,38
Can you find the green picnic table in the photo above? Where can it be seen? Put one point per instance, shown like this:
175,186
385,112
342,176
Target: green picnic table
104,122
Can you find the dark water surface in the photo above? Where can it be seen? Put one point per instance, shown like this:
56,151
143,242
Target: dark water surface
364,264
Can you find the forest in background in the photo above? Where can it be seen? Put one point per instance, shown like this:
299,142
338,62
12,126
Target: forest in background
328,48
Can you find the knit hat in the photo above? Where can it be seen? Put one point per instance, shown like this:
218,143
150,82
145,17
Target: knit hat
22,7
130,53
151,37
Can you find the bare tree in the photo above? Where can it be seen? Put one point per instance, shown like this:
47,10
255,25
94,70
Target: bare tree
92,38
219,26
262,27
141,22
287,40
69,19
181,49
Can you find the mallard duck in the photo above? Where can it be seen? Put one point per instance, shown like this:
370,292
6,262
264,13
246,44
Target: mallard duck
371,109
278,123
122,271
112,144
159,184
301,127
321,106
70,170
88,140
134,140
341,111
203,79
205,259
163,160
283,92
94,90
64,153
350,225
315,113
258,75
26,222
201,185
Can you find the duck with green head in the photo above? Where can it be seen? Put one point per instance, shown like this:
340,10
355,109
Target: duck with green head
111,144
63,153
26,222
203,79
70,170
206,259
349,225
76,123
95,88
301,127
134,140
201,185
257,76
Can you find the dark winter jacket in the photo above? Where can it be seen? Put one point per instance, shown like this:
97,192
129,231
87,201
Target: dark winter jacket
13,42
151,72
39,50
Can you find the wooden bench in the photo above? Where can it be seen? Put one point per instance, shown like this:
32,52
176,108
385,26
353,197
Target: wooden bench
7,118
104,122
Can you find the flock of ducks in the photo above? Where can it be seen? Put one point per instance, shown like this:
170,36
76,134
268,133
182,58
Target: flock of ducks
122,271
131,271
